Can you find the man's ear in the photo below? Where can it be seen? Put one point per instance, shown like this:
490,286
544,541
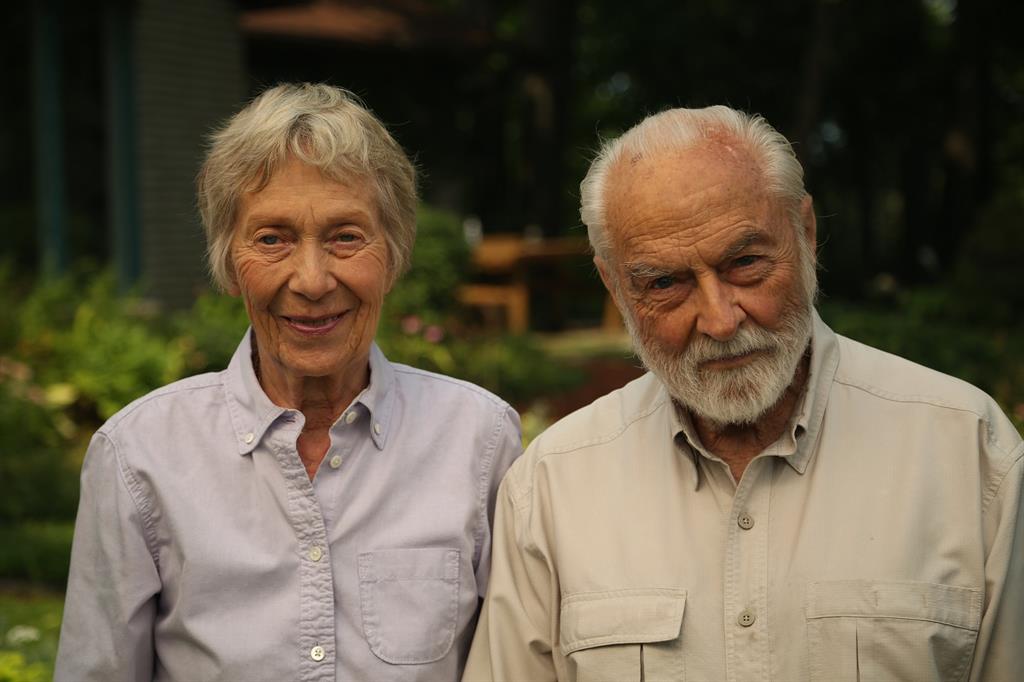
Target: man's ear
604,270
810,222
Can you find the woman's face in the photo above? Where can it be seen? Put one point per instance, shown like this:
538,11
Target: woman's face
310,260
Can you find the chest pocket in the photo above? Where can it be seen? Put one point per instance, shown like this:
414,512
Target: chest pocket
409,603
623,635
865,630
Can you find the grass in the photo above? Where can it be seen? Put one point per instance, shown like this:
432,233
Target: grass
29,630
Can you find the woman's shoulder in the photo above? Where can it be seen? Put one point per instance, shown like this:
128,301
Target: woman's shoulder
441,387
195,394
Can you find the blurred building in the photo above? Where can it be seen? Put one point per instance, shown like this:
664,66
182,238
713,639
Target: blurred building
124,93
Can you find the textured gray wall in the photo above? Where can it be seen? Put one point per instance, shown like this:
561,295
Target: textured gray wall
189,77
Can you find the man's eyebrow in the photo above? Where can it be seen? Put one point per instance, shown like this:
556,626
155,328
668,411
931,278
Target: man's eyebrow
640,270
745,241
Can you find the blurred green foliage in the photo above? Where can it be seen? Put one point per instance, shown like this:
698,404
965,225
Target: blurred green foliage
29,630
73,351
37,552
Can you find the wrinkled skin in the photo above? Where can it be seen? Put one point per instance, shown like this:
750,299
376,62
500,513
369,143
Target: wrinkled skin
309,258
699,247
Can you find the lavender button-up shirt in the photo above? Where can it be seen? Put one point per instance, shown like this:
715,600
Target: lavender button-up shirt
203,551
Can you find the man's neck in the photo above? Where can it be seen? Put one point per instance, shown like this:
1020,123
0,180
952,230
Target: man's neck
738,444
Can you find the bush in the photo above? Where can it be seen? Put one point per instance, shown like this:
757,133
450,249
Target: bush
76,351
37,552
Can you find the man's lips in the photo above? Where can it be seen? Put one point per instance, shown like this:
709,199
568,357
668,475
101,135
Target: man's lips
730,361
313,326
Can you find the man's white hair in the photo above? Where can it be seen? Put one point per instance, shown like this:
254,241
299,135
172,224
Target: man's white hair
680,129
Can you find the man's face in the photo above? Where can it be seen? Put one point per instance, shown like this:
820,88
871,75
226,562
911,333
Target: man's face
713,280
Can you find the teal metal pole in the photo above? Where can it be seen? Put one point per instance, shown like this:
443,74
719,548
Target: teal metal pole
51,200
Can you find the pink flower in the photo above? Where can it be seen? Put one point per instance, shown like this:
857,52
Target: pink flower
411,324
433,333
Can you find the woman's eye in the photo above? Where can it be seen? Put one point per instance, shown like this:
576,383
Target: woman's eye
269,239
663,282
347,239
744,261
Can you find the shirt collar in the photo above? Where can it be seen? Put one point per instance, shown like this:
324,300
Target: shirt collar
379,397
805,428
252,412
797,443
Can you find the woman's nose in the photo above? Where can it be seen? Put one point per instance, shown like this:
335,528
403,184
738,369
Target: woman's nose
312,276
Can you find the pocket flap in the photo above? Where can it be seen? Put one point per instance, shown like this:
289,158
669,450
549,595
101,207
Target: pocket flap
634,616
947,604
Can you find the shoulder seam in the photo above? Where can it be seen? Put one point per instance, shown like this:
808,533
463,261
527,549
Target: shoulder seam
993,490
516,495
462,383
214,379
600,440
484,484
132,485
926,400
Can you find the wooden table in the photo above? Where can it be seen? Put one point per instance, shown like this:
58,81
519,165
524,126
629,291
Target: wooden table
509,257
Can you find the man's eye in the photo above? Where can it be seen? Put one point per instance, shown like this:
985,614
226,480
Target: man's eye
663,282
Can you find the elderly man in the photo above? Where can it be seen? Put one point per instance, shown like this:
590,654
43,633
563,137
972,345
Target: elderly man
771,501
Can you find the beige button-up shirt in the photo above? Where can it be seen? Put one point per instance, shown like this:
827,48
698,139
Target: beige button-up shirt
879,539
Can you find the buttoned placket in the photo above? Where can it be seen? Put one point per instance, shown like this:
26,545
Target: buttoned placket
316,636
745,579
330,477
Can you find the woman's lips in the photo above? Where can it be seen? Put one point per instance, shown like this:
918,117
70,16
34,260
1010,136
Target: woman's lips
313,326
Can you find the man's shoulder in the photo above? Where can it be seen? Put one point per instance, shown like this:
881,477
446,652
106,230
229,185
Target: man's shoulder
607,421
891,377
898,384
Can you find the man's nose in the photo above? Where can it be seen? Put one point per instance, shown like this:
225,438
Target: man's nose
312,276
720,315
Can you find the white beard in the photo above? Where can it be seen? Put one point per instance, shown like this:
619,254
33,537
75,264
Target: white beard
739,395
743,394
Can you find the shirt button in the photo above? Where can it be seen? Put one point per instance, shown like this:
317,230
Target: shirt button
317,653
745,521
350,417
316,553
746,618
335,461
376,429
249,437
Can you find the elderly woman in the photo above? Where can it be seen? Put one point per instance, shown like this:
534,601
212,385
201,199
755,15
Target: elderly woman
313,512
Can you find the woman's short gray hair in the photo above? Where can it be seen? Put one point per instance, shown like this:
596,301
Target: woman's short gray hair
677,129
321,125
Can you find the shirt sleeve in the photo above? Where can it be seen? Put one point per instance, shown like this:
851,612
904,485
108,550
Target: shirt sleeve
512,640
107,630
998,654
508,447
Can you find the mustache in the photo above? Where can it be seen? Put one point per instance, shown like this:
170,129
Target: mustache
747,340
